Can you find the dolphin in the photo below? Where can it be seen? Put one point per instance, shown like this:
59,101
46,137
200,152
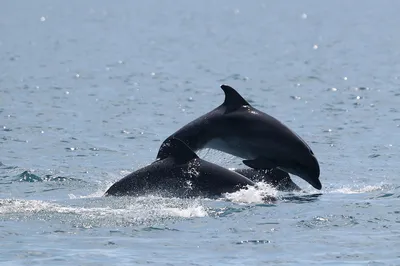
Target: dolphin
276,178
178,171
237,128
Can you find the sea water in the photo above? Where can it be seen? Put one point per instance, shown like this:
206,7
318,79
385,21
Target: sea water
90,89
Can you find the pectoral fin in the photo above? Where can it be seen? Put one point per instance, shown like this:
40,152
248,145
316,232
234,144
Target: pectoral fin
260,163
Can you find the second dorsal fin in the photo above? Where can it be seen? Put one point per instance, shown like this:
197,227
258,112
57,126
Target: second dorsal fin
173,147
233,100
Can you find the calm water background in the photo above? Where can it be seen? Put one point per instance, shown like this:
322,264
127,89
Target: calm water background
88,91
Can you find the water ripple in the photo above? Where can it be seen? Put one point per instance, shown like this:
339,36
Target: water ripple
255,242
329,221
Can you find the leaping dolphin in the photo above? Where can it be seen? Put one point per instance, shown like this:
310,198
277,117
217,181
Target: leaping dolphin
178,171
237,128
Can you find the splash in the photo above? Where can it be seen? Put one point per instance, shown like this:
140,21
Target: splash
103,212
195,211
262,193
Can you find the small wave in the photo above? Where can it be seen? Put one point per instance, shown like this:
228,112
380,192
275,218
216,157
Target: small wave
227,211
5,167
301,198
28,176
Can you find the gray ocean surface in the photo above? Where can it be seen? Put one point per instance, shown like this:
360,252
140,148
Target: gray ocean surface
90,89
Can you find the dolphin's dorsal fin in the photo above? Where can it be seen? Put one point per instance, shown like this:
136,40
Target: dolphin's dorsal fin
233,100
173,147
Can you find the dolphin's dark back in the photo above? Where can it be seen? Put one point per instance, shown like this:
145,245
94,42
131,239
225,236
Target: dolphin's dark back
160,176
180,172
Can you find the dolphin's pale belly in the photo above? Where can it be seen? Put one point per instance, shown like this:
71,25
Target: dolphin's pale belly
235,146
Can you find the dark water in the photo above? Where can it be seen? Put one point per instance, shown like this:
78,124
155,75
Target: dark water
89,89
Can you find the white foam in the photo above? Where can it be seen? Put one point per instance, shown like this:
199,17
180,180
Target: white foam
251,194
140,209
194,211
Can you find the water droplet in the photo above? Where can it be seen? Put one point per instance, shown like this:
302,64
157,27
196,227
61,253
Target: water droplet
42,19
236,11
295,97
77,75
67,92
344,78
315,47
120,62
304,16
333,89
153,74
322,219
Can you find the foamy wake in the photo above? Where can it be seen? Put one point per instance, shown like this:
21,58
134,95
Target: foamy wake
138,210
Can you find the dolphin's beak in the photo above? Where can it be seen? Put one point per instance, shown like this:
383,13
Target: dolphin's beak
312,176
315,183
308,170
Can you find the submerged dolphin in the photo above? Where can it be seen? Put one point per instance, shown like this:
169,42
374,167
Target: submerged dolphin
276,178
237,128
179,172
